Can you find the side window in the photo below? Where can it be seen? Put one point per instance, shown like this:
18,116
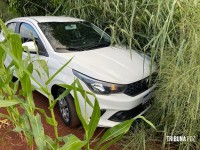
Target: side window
11,26
27,33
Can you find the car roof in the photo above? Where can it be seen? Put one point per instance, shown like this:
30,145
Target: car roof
49,19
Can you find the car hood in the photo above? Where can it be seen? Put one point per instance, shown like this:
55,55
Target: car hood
110,64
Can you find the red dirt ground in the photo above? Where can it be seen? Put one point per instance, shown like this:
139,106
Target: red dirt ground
10,140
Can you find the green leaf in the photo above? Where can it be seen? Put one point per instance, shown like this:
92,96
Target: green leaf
16,87
6,103
23,84
6,116
114,132
38,131
2,56
94,119
25,48
38,72
19,64
30,67
83,93
26,131
147,121
51,145
18,129
48,119
78,110
59,70
77,88
25,121
72,143
4,29
108,144
65,93
16,46
5,77
43,65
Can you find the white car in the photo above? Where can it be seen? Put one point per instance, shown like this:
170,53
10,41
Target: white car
120,83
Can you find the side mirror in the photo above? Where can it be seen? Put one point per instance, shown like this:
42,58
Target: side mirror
31,46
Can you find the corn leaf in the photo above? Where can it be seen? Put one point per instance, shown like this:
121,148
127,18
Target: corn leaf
6,103
51,145
38,131
94,119
73,143
83,93
114,132
78,110
44,66
65,93
108,144
59,70
48,119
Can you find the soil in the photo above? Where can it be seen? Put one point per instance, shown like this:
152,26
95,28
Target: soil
10,140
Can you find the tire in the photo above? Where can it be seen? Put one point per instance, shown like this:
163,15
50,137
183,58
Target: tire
67,110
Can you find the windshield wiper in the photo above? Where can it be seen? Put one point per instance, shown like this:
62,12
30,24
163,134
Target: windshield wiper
75,49
70,48
99,45
103,44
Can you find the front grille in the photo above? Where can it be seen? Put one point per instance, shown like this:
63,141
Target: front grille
140,86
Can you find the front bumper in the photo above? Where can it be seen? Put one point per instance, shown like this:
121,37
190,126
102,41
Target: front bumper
113,120
124,108
120,107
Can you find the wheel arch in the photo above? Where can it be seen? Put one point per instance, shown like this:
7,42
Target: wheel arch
54,90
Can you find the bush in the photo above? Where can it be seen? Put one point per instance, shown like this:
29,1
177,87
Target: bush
5,12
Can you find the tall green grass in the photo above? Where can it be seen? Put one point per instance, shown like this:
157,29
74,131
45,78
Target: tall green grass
169,31
178,95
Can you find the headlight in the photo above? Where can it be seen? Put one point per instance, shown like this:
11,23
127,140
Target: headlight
99,87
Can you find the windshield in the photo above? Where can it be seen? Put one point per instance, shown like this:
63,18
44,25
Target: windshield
74,36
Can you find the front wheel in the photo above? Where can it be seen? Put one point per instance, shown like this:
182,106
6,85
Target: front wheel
68,110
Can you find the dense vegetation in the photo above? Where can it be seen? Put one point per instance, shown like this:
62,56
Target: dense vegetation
169,31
